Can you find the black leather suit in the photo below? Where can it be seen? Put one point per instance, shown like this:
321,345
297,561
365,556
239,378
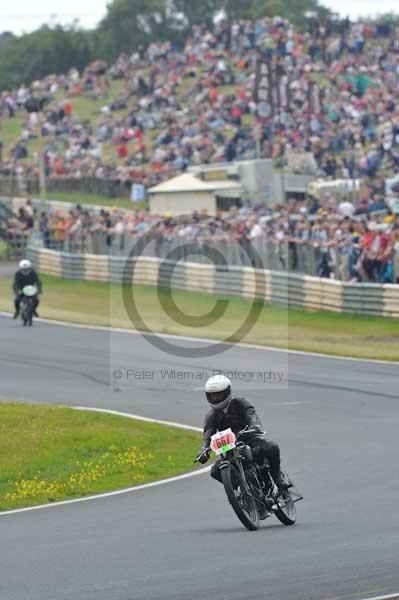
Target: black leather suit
237,416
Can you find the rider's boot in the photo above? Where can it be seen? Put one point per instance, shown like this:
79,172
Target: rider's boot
266,509
16,314
281,482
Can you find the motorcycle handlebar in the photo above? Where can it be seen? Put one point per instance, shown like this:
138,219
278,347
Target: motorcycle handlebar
249,431
246,431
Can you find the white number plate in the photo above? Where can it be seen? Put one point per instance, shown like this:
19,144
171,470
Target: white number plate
223,441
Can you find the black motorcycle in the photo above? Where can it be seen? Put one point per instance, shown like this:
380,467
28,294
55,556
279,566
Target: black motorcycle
249,486
26,309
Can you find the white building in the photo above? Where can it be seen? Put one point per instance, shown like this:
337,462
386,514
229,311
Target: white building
186,193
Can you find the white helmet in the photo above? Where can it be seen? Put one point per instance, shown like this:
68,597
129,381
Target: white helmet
218,391
25,265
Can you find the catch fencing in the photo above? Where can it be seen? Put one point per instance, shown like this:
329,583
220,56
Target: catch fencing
294,257
282,288
16,243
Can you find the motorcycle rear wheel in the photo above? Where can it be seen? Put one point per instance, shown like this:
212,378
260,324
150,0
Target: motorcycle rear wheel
243,505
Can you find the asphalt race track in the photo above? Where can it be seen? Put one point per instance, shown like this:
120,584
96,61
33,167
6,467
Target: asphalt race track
337,423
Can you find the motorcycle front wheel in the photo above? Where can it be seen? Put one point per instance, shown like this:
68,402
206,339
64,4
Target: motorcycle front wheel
286,513
243,504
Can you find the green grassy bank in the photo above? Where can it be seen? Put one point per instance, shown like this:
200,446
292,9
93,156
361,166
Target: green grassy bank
50,453
95,200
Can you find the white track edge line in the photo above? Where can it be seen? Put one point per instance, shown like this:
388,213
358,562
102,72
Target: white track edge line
393,596
136,488
209,341
139,418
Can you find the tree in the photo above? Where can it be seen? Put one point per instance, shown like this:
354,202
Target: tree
254,9
194,12
129,24
132,23
47,50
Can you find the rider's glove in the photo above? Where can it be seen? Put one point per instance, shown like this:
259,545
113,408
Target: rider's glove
204,455
256,429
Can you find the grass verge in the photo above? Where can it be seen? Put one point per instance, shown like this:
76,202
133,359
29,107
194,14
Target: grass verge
96,303
3,249
49,454
94,200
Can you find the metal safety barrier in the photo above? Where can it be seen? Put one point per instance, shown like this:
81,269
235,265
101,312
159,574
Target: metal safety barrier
278,287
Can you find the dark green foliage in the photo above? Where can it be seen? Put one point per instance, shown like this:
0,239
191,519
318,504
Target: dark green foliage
254,9
47,50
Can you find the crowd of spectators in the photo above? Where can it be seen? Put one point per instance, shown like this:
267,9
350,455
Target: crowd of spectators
175,108
332,241
163,109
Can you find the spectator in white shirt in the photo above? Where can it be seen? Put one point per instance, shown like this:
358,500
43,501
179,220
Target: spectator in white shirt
346,209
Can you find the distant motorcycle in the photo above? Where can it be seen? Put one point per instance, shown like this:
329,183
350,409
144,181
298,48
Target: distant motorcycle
250,487
29,292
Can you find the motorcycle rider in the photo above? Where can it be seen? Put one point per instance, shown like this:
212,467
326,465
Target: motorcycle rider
236,413
26,275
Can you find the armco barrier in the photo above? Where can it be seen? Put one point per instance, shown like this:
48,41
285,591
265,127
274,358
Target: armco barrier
286,289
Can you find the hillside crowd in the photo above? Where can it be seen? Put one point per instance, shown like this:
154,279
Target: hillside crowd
333,241
162,109
176,108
